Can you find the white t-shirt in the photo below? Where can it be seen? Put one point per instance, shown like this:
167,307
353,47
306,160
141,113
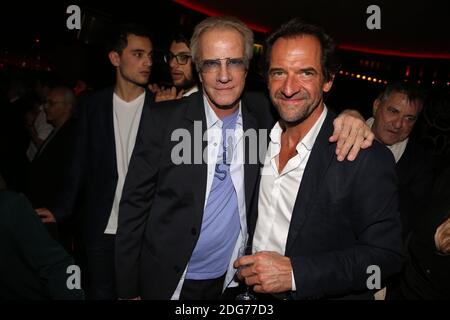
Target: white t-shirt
127,116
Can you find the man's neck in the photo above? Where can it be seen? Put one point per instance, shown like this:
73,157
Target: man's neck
295,132
127,91
223,112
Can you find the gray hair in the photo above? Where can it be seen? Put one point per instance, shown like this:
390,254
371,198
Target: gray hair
68,95
212,23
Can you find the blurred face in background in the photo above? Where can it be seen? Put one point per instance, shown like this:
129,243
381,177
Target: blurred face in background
181,67
56,108
395,117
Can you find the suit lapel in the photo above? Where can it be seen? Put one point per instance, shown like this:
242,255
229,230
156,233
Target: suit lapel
251,170
321,156
107,119
195,115
403,166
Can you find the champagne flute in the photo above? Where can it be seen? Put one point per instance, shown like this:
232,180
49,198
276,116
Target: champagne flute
245,251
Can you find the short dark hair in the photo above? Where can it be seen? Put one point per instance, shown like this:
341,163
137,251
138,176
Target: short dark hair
412,91
181,36
119,36
296,27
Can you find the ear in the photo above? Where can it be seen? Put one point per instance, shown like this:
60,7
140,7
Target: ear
200,76
327,85
114,58
375,106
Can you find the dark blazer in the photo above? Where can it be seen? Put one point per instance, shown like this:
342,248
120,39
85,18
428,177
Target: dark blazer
415,178
426,274
47,168
91,179
32,264
162,203
345,218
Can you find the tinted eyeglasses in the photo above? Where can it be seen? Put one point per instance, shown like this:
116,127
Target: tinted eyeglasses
181,58
213,65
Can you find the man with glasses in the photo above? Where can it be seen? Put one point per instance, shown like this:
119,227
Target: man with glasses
184,78
181,223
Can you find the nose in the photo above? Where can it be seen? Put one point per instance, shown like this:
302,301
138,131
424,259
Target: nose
397,123
148,61
290,86
224,74
173,63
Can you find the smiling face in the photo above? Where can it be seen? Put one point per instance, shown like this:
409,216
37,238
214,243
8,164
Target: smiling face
296,81
135,62
395,117
223,88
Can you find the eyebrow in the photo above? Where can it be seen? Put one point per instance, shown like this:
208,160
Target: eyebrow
181,53
276,69
310,69
138,50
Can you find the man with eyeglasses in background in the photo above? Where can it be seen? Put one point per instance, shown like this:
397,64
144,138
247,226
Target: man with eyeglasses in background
182,72
181,223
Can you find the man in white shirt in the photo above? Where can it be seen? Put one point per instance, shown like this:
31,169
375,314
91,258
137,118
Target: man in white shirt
108,121
319,223
181,223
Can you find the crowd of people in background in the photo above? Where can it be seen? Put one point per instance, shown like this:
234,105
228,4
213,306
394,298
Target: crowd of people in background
87,178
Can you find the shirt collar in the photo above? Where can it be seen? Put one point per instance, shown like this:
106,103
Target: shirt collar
190,91
308,140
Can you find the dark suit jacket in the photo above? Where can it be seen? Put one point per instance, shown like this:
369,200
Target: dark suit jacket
162,203
32,264
47,168
91,177
426,274
345,219
415,178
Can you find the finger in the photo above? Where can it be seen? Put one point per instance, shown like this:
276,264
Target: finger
252,280
369,136
346,144
180,94
337,124
246,272
355,148
258,288
343,135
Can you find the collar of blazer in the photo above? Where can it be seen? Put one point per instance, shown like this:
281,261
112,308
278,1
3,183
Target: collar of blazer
322,154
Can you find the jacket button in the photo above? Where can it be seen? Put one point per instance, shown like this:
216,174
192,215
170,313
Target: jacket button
194,231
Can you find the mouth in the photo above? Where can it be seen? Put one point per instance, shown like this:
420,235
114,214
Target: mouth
224,88
394,133
177,75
